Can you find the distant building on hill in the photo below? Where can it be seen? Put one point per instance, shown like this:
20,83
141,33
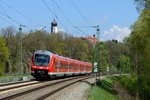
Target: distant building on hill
54,28
92,39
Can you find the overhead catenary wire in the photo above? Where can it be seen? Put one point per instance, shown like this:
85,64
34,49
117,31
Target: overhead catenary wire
54,7
53,14
9,18
63,14
5,20
78,10
48,7
14,20
3,9
81,31
52,11
67,19
36,23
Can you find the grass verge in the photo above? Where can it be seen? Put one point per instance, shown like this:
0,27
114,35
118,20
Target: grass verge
103,91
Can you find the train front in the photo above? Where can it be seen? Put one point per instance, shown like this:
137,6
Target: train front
40,64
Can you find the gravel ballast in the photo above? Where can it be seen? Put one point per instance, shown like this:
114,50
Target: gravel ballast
78,91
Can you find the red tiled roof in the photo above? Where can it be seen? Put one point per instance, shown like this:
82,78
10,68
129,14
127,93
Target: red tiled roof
93,40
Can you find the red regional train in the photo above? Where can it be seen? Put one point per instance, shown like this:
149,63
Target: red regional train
49,65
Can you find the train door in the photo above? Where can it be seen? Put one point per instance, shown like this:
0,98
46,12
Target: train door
68,67
58,66
79,68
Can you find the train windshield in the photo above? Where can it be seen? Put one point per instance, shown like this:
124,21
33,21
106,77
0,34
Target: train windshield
41,60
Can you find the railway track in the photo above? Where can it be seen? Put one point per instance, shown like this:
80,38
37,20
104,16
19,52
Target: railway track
48,89
12,83
59,89
11,86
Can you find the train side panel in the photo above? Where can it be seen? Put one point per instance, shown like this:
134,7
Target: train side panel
58,65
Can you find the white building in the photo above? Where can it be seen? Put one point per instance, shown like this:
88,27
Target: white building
54,28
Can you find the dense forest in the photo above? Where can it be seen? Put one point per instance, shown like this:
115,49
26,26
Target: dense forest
138,84
60,43
110,54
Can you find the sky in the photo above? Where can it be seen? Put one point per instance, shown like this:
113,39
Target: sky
114,17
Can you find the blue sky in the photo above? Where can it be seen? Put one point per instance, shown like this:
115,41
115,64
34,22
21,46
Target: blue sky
114,17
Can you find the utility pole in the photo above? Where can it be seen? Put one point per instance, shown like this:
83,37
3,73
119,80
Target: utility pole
20,33
97,31
96,70
98,49
96,55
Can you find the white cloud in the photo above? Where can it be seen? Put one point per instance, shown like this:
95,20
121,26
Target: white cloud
116,32
61,30
40,28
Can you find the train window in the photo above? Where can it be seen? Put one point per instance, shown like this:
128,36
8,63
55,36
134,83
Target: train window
41,60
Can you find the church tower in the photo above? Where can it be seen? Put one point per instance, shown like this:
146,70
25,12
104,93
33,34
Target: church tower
54,27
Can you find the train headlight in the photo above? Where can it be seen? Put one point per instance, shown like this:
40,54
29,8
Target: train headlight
34,66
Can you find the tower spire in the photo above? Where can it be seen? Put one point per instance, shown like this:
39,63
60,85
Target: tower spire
54,26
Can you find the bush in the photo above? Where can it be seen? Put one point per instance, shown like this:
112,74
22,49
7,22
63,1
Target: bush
129,83
1,69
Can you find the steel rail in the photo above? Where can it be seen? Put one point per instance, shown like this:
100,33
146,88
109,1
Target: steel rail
59,89
13,83
37,88
19,85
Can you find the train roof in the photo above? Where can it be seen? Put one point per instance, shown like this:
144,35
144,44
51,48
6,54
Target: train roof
59,56
71,60
43,52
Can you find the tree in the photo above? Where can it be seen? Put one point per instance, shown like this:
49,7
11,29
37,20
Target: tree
124,63
139,46
60,43
142,4
115,51
102,56
12,42
77,48
4,55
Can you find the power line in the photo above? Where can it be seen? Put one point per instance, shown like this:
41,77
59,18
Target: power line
3,19
97,29
80,12
81,31
3,9
14,20
48,7
53,14
67,19
20,13
87,26
53,7
36,23
9,18
63,13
